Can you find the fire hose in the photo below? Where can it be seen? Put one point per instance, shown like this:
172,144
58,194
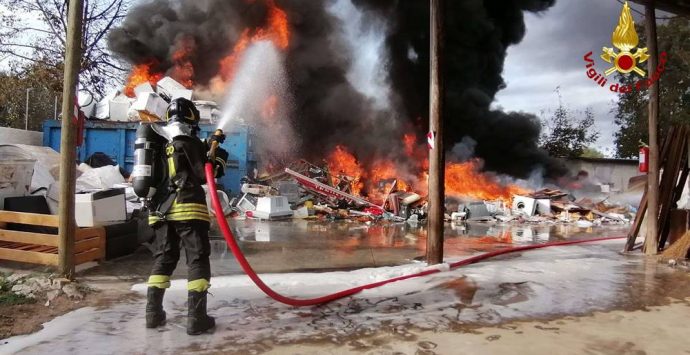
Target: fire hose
234,247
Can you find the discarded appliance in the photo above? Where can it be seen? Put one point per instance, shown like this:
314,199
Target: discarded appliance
524,205
477,211
118,108
151,107
208,110
246,203
170,89
272,207
543,207
100,208
256,189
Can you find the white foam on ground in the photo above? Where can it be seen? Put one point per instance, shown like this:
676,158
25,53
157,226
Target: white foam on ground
559,280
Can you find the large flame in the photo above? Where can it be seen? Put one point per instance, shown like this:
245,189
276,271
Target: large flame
140,74
625,36
463,180
276,31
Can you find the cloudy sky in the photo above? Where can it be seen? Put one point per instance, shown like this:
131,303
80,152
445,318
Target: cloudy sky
551,56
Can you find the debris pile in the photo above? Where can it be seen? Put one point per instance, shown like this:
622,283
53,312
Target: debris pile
144,103
306,190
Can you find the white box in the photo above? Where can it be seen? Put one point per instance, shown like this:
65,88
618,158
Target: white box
144,88
272,207
207,109
150,104
118,108
169,87
100,208
544,207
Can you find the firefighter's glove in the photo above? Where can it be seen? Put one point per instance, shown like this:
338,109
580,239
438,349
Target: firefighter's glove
220,138
221,162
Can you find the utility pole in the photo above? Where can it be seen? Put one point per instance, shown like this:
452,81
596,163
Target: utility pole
652,237
434,244
67,226
26,110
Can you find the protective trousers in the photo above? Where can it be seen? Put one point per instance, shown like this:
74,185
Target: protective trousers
194,238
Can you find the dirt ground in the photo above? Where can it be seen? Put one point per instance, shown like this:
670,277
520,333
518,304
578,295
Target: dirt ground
653,330
29,318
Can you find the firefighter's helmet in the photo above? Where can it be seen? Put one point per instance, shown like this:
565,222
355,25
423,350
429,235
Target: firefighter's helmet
183,111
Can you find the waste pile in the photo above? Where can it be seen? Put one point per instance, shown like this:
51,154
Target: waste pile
306,190
145,102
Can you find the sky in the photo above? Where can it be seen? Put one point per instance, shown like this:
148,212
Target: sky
551,55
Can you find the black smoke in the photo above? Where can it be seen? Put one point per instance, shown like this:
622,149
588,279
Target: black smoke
477,36
328,110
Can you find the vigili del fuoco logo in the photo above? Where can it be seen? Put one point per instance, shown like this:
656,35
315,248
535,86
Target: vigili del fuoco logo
627,59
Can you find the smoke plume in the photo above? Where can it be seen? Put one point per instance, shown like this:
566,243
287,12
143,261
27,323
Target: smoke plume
328,107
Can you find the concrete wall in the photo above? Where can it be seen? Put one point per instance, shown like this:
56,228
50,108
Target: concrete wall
20,136
606,171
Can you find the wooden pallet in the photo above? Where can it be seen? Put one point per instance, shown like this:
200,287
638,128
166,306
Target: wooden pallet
39,248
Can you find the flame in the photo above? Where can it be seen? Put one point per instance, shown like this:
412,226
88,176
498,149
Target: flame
183,71
276,31
466,180
625,36
463,180
341,162
140,74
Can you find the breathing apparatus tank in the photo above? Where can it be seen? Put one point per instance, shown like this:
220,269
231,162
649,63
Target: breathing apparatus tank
149,173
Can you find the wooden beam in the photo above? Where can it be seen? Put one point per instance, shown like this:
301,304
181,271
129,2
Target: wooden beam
28,256
651,240
434,245
46,220
29,238
68,140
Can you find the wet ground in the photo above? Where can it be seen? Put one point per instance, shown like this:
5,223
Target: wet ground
304,245
441,313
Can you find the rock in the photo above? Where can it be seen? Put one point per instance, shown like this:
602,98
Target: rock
25,290
14,278
51,295
73,292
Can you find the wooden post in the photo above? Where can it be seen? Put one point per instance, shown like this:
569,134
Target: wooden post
651,240
434,245
68,154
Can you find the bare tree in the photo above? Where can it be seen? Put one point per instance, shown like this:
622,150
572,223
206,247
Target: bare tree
34,31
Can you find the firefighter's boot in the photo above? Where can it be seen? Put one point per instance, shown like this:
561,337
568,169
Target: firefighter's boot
155,315
198,321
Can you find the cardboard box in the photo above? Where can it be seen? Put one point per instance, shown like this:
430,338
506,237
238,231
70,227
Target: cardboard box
100,208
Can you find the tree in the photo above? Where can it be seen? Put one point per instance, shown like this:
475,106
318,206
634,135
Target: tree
674,96
566,136
34,31
45,85
591,152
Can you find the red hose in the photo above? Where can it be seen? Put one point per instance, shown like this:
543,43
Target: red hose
227,234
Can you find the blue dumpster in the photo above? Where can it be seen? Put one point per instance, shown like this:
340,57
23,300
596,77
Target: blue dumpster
116,139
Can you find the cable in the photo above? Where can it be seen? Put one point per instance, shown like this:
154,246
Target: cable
234,247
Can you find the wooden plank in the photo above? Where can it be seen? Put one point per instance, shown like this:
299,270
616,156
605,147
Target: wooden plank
673,203
86,233
669,180
29,218
28,238
640,215
87,244
28,256
86,256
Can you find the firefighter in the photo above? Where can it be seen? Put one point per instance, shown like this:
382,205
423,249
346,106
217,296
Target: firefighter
183,217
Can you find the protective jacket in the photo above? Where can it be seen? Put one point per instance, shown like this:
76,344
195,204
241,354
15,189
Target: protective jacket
186,200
